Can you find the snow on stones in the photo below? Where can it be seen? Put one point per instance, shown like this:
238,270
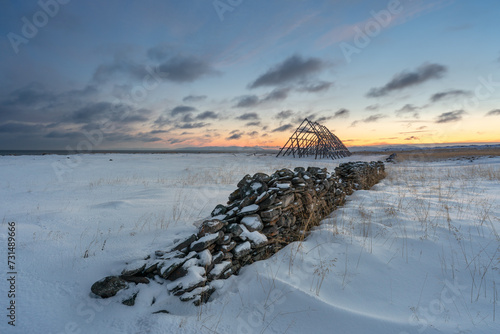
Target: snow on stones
219,269
262,216
248,210
257,239
195,277
206,241
210,226
242,250
252,222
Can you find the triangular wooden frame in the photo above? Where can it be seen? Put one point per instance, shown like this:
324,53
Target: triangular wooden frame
312,138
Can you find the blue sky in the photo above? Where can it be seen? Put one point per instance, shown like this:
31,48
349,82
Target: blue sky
169,74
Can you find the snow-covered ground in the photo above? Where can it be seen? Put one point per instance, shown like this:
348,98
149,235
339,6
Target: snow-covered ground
419,253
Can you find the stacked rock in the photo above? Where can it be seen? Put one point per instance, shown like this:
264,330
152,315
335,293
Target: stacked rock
264,214
361,175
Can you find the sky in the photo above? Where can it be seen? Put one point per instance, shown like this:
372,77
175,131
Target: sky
95,75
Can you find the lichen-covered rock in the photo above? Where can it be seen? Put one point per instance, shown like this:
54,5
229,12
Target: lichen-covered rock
134,268
192,279
242,250
248,200
168,266
262,197
185,243
270,214
252,222
244,181
261,177
135,279
248,210
218,257
227,248
286,200
285,173
256,238
109,286
219,269
266,203
219,210
210,226
225,240
205,241
234,229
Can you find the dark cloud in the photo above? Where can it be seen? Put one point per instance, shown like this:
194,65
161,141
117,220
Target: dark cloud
107,111
299,118
412,138
207,115
179,69
408,109
154,132
126,137
146,138
194,98
247,101
64,135
323,118
372,107
248,116
122,67
278,94
29,95
35,103
253,134
451,116
495,112
159,52
253,124
176,140
291,69
283,128
369,119
185,69
341,113
402,80
14,127
451,93
162,121
192,125
235,136
136,116
373,118
315,87
181,110
187,118
284,114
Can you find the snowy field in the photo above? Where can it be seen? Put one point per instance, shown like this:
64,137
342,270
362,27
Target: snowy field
419,253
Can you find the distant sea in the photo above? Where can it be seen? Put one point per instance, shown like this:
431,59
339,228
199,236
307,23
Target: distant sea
188,150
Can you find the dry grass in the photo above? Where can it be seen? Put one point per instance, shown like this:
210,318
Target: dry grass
436,154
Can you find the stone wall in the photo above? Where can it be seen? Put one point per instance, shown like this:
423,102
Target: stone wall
264,214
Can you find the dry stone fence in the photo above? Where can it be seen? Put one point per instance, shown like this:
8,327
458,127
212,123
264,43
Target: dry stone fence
264,214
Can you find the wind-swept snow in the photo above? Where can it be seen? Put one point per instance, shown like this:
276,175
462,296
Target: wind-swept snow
419,253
